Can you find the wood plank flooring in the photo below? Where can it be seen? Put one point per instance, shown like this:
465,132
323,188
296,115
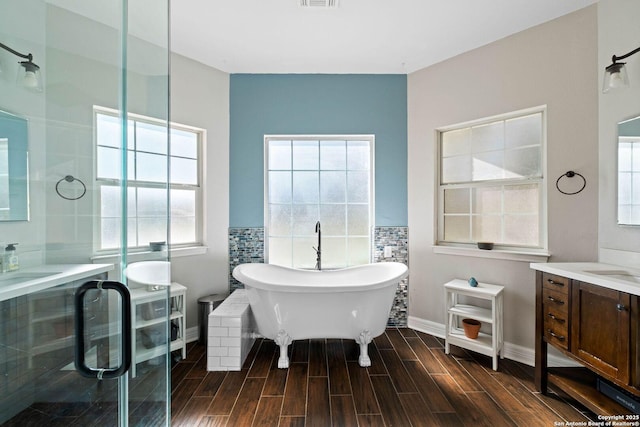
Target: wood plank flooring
411,383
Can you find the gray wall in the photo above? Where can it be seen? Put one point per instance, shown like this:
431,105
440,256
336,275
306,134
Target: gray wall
554,64
618,33
200,97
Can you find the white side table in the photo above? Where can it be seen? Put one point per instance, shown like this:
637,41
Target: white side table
139,297
487,344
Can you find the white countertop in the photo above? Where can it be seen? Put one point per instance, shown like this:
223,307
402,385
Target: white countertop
29,280
610,276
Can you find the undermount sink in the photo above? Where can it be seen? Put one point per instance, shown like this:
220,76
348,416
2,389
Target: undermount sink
617,274
19,277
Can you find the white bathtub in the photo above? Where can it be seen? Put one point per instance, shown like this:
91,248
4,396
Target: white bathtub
290,304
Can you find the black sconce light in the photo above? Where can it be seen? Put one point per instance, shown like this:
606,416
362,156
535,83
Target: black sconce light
615,75
29,73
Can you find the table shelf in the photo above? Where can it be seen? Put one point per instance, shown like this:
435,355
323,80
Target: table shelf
489,344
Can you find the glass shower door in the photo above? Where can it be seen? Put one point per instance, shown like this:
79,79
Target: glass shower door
65,324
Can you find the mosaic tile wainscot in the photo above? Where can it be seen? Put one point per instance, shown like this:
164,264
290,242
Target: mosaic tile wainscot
247,245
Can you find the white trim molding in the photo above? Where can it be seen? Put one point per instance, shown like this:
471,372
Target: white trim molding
518,353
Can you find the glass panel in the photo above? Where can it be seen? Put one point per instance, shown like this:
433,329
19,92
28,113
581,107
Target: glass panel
184,171
334,252
456,142
624,188
280,187
457,228
489,137
280,155
624,156
279,220
152,230
305,187
358,187
358,155
152,202
522,163
333,155
333,219
304,219
358,220
280,252
487,200
110,205
108,130
303,254
151,138
333,187
522,230
456,200
151,167
359,252
183,230
487,228
523,131
109,164
522,199
488,165
456,169
305,155
184,143
624,214
636,156
183,203
635,182
110,233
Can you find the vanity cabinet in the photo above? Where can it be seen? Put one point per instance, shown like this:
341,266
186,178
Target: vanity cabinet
600,329
594,325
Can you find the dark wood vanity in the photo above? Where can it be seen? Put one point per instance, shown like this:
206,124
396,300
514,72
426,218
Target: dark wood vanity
594,325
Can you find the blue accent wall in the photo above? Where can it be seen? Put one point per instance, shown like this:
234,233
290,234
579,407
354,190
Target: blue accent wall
272,104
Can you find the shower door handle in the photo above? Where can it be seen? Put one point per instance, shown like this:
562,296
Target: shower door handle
125,346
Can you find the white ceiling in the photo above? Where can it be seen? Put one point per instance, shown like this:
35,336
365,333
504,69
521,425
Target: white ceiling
360,36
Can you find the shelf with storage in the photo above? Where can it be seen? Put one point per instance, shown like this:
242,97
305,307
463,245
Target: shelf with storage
148,323
486,343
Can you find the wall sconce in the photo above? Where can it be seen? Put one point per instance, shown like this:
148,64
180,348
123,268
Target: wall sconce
615,75
29,73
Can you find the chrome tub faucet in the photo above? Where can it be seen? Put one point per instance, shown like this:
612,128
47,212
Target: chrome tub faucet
319,248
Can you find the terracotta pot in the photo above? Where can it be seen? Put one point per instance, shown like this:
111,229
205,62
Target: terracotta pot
471,328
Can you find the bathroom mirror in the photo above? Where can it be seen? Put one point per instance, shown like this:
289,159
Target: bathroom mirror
14,173
629,172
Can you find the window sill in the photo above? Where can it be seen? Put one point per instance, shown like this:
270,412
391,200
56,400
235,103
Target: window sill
522,256
149,255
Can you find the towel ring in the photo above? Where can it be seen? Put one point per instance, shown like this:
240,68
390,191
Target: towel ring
571,174
71,178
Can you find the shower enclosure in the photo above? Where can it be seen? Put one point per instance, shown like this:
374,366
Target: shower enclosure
71,163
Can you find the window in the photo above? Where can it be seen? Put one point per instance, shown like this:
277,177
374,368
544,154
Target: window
149,160
629,180
326,179
491,186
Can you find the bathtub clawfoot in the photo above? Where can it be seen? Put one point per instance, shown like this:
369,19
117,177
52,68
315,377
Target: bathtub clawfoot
283,340
364,339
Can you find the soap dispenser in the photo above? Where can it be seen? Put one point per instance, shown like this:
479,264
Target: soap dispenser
11,262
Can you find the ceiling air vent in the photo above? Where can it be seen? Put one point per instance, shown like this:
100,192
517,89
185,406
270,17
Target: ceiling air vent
319,3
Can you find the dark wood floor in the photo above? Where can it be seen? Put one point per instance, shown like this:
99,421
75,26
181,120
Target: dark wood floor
411,383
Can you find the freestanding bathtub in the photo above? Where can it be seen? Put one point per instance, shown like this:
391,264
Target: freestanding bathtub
290,304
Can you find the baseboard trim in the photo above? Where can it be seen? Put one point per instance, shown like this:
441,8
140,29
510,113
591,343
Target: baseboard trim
510,351
192,334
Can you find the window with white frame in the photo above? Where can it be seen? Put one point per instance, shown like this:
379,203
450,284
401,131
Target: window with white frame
629,180
491,181
326,179
160,174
